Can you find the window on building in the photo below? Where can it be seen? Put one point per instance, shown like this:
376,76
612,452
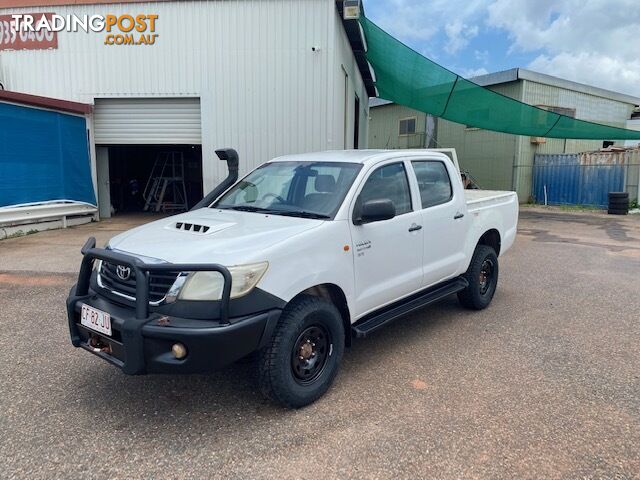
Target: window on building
388,182
434,182
407,126
567,112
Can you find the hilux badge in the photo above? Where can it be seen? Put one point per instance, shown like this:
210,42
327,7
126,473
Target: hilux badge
123,272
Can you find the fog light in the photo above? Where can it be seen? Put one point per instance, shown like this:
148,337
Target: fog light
179,350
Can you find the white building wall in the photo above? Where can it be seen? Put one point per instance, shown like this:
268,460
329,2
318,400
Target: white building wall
263,90
633,124
344,58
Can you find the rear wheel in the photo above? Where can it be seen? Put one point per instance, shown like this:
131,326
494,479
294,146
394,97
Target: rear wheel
300,362
482,276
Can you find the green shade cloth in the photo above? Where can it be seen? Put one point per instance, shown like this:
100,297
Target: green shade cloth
405,77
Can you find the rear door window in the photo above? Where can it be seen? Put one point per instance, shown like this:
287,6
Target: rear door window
433,181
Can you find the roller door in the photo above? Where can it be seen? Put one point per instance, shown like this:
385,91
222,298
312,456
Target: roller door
147,121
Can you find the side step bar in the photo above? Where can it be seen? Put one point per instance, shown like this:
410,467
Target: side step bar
377,320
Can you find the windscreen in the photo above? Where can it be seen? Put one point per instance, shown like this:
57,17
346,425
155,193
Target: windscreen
304,189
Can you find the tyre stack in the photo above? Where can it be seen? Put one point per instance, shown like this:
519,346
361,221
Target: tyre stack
618,203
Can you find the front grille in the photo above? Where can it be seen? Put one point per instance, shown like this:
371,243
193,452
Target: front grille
159,283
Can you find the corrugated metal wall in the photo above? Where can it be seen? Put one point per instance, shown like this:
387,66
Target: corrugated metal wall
262,89
488,156
585,178
633,124
588,107
384,123
503,161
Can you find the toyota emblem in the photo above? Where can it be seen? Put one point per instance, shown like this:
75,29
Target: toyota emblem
123,272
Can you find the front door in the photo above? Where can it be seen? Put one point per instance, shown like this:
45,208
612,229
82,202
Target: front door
388,253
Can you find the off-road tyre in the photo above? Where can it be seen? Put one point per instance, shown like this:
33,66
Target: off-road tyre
619,203
613,195
482,282
618,211
309,330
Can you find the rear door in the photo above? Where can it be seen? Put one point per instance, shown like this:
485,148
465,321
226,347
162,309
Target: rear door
388,253
442,212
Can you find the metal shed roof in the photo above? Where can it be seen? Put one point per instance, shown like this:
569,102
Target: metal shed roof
516,74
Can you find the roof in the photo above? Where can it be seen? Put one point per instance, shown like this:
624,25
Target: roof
45,102
378,102
49,3
516,74
353,156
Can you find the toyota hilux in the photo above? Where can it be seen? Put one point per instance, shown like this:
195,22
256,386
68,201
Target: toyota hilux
290,265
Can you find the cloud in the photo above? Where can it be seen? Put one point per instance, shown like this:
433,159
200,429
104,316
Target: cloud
594,69
417,20
481,56
458,35
473,72
594,42
589,41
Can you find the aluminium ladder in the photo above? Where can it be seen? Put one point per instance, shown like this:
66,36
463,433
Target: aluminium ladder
165,190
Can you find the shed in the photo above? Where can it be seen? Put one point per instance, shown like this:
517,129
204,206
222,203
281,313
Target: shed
504,161
264,77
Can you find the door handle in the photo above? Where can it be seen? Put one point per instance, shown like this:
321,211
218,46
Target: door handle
458,215
415,227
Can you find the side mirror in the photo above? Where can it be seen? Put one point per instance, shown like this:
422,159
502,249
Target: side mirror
376,211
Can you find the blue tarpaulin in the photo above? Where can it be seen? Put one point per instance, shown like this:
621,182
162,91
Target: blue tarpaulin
44,156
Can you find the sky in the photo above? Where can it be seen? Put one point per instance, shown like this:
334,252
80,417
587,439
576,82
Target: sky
596,42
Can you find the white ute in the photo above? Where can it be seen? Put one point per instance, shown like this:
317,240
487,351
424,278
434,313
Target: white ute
292,262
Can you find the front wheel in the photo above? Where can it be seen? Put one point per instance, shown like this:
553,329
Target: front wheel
300,362
482,276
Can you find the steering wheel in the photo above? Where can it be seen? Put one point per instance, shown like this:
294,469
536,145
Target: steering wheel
277,197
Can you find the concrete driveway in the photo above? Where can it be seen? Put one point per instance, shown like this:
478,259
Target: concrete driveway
543,384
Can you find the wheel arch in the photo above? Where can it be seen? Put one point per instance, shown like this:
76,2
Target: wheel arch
335,295
491,238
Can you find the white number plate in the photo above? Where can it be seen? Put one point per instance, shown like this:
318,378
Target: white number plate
95,319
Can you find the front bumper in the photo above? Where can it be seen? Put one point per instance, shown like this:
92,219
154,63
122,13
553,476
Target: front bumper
141,340
139,346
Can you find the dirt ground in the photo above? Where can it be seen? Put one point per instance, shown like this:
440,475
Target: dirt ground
543,384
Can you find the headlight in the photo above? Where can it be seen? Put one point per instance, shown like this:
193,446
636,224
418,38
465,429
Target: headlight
209,285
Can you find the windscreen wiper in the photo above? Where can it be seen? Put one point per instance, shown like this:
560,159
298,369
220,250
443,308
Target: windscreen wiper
302,214
288,213
247,208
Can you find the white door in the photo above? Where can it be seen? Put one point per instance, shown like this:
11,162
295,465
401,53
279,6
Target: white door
104,192
388,253
445,226
147,121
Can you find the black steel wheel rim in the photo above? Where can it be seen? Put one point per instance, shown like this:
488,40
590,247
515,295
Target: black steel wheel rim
486,276
310,354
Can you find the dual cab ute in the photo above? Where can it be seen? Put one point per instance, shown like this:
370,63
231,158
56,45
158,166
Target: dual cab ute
292,262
